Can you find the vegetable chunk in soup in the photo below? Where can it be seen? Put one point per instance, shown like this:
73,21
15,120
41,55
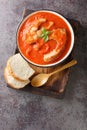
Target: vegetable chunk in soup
44,38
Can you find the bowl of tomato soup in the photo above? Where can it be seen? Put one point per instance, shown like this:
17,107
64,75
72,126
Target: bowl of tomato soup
45,38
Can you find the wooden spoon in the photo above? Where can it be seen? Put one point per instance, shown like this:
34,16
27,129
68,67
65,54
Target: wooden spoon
41,79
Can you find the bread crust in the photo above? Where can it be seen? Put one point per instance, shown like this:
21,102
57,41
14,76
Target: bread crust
9,78
15,75
11,72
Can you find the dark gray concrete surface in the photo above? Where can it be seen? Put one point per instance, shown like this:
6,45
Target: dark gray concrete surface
20,110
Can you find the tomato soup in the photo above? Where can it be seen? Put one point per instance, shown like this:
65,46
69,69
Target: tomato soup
44,38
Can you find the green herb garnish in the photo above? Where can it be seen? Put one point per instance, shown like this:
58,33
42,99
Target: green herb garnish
45,34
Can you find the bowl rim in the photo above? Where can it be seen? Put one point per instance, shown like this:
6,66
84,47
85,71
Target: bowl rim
67,54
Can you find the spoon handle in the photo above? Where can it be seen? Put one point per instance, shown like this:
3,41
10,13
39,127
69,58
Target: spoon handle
71,63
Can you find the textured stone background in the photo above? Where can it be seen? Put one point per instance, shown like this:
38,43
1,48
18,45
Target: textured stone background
20,110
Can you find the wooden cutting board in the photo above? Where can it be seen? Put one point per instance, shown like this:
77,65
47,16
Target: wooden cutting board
57,84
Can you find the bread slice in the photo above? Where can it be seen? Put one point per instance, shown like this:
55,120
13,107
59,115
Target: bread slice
19,68
14,83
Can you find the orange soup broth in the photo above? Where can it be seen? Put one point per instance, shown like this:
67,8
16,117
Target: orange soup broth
37,56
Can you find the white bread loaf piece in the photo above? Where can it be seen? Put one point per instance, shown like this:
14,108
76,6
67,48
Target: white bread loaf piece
19,68
14,83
